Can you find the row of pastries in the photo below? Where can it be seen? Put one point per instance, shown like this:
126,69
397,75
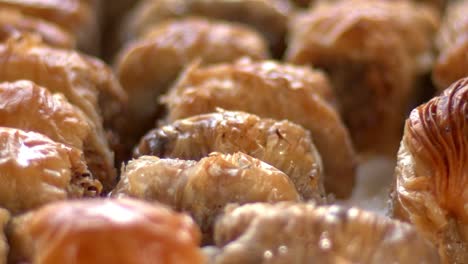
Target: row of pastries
226,131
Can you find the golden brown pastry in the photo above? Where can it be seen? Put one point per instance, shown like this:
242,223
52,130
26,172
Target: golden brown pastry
4,217
75,16
452,43
29,107
270,17
431,189
104,231
86,82
148,66
303,233
36,170
203,188
282,144
272,90
13,23
374,51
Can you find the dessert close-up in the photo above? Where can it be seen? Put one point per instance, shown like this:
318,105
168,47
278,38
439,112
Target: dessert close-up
234,132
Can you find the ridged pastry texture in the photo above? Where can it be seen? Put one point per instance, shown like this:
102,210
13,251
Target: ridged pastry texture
86,82
75,16
281,144
4,217
29,107
304,233
104,231
375,53
270,17
203,188
431,189
14,23
36,170
452,43
273,90
149,65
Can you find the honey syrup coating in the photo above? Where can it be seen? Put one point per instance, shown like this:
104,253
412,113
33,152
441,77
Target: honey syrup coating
93,231
452,43
304,233
4,217
37,170
75,16
431,189
86,82
147,66
375,53
203,188
282,144
270,17
273,90
13,23
27,106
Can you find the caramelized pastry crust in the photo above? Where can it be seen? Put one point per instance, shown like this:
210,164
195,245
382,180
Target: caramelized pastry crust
203,188
104,231
375,51
452,43
431,189
75,16
14,23
36,170
283,145
29,107
269,17
148,66
303,233
272,90
86,82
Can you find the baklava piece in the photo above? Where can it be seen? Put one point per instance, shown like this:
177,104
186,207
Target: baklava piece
282,144
104,231
272,90
452,43
36,170
375,53
14,23
431,189
29,107
75,16
303,233
270,17
148,66
86,82
203,188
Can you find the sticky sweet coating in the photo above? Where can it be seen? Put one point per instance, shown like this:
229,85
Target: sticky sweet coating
203,188
273,90
101,231
304,233
432,171
375,53
36,170
281,144
147,66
